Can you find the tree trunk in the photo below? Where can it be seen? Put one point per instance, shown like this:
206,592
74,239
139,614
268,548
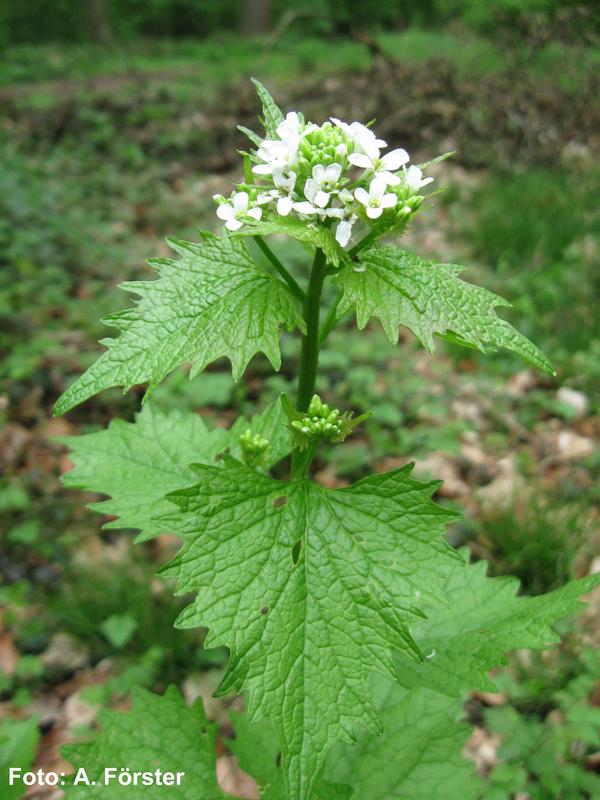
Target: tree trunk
97,21
256,17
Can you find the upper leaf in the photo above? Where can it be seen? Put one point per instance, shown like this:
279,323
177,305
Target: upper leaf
311,233
138,463
482,620
158,733
417,757
213,301
310,589
272,114
400,288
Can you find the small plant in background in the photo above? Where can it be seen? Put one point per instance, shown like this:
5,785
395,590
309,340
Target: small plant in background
353,628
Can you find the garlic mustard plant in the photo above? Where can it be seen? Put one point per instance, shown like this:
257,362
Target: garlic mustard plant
353,628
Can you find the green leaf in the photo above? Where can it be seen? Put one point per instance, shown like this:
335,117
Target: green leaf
418,755
272,114
254,137
310,589
308,233
118,629
483,619
257,750
158,733
138,463
400,288
18,745
214,301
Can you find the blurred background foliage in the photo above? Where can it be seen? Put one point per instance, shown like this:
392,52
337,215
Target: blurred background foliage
117,125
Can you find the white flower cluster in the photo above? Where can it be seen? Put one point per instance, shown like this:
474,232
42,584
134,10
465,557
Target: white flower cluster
331,174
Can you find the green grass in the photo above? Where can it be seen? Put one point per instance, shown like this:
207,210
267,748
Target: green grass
540,539
223,58
538,231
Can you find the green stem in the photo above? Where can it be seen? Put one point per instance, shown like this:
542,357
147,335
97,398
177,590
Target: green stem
309,355
275,262
301,462
329,321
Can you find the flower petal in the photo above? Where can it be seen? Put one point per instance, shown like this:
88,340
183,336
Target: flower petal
318,173
255,213
233,224
374,211
360,160
305,208
343,233
225,212
262,169
413,177
395,159
377,188
310,189
389,200
321,198
284,206
362,196
388,177
333,172
240,201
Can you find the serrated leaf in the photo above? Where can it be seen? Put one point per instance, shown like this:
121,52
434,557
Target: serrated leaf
257,750
482,620
308,233
213,301
158,733
272,114
254,137
138,463
400,288
310,589
418,755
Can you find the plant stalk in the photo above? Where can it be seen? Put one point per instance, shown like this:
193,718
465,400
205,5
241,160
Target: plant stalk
294,287
309,354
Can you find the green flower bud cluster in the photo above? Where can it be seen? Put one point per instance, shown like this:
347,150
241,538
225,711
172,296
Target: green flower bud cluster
253,447
326,145
319,422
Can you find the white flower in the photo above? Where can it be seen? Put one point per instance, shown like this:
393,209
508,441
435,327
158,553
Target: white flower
230,213
315,202
276,155
383,167
318,188
289,129
283,152
375,200
415,179
285,186
363,137
343,232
